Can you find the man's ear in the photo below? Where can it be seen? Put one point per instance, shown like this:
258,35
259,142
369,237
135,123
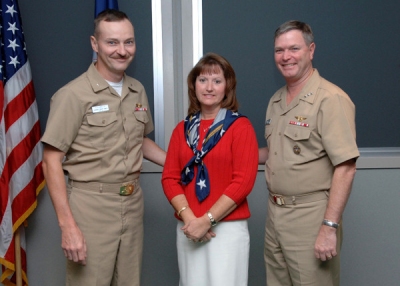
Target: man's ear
93,42
312,50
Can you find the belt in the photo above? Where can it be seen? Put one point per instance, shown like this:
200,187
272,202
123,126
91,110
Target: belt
123,189
300,199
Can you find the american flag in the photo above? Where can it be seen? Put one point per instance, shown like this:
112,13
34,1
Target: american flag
20,148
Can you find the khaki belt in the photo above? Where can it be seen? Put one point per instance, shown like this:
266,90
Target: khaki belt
123,189
300,199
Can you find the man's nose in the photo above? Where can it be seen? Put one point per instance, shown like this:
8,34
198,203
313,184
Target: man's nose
121,49
286,55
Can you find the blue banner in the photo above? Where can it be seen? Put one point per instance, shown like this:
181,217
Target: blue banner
101,5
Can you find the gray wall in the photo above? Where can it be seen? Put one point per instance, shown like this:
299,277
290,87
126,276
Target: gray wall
57,35
357,44
370,252
357,47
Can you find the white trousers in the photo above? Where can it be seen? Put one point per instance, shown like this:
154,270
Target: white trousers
224,260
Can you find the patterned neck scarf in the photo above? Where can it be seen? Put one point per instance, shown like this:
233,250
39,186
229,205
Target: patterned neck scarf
221,123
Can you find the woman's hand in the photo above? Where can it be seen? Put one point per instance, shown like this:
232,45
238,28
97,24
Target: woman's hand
207,237
198,229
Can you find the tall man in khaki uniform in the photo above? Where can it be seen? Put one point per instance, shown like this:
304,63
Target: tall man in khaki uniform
99,122
310,163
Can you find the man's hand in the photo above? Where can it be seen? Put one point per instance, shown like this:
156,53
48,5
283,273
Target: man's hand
74,245
325,245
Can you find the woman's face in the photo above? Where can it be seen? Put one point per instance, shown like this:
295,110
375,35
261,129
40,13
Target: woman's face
210,89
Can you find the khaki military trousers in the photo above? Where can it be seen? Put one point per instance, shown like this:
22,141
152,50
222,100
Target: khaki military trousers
112,225
290,234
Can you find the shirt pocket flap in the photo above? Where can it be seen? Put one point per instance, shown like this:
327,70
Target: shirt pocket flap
102,119
297,133
141,116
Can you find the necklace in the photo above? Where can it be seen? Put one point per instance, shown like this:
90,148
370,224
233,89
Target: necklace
205,124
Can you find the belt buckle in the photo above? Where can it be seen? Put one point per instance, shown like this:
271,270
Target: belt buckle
278,200
126,190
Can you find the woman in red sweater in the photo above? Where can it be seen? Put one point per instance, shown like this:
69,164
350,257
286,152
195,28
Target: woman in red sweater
210,169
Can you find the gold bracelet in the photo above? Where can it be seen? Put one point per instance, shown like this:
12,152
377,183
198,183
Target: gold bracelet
181,210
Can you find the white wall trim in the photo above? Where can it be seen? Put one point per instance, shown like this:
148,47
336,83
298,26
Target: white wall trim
379,158
197,15
158,73
177,46
370,158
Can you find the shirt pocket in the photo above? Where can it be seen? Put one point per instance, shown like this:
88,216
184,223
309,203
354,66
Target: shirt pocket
297,144
103,129
135,127
141,120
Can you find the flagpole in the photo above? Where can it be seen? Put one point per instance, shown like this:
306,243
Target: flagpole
18,266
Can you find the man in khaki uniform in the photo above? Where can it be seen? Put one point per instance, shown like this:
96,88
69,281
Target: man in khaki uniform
310,163
98,123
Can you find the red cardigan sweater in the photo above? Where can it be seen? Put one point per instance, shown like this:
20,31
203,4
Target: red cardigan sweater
232,167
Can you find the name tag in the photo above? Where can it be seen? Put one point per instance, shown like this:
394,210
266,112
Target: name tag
100,108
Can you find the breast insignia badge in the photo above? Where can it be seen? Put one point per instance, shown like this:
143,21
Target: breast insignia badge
300,118
296,150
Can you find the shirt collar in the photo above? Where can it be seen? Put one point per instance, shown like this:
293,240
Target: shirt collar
310,89
98,83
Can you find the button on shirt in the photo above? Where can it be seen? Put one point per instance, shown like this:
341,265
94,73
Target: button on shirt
308,137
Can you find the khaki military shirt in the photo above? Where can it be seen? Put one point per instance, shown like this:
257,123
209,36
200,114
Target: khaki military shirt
100,131
308,137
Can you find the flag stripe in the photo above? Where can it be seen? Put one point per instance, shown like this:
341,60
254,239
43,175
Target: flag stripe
2,103
19,105
14,172
21,183
6,229
22,128
20,153
17,82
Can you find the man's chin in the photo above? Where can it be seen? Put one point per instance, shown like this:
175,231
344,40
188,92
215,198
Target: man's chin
121,67
289,73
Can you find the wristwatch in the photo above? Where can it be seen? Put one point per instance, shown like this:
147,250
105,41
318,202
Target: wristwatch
212,220
330,223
